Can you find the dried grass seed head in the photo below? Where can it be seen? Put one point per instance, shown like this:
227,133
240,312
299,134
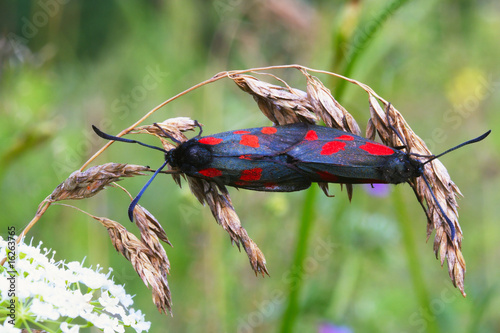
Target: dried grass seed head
218,200
445,191
282,105
81,185
172,128
151,264
326,107
151,230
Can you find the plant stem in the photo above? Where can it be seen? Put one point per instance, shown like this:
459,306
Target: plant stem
305,226
417,276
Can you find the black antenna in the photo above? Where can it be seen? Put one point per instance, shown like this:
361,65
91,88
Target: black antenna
141,192
116,138
479,138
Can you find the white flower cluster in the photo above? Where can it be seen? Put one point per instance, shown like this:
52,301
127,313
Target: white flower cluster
47,291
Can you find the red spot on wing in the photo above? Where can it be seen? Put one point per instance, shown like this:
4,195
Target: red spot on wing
251,174
268,130
311,135
210,140
376,149
211,172
250,141
332,147
328,177
241,132
245,157
345,137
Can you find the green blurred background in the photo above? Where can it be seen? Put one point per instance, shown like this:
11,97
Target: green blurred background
68,64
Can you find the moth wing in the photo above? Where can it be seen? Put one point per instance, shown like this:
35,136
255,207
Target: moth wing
261,141
268,174
331,155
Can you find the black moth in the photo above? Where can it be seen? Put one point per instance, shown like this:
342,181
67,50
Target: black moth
289,158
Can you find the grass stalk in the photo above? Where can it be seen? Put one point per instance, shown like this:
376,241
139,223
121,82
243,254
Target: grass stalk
362,37
417,276
305,226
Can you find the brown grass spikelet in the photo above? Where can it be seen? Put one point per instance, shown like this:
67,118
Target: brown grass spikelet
443,187
174,127
150,263
81,185
282,105
218,200
327,108
151,230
